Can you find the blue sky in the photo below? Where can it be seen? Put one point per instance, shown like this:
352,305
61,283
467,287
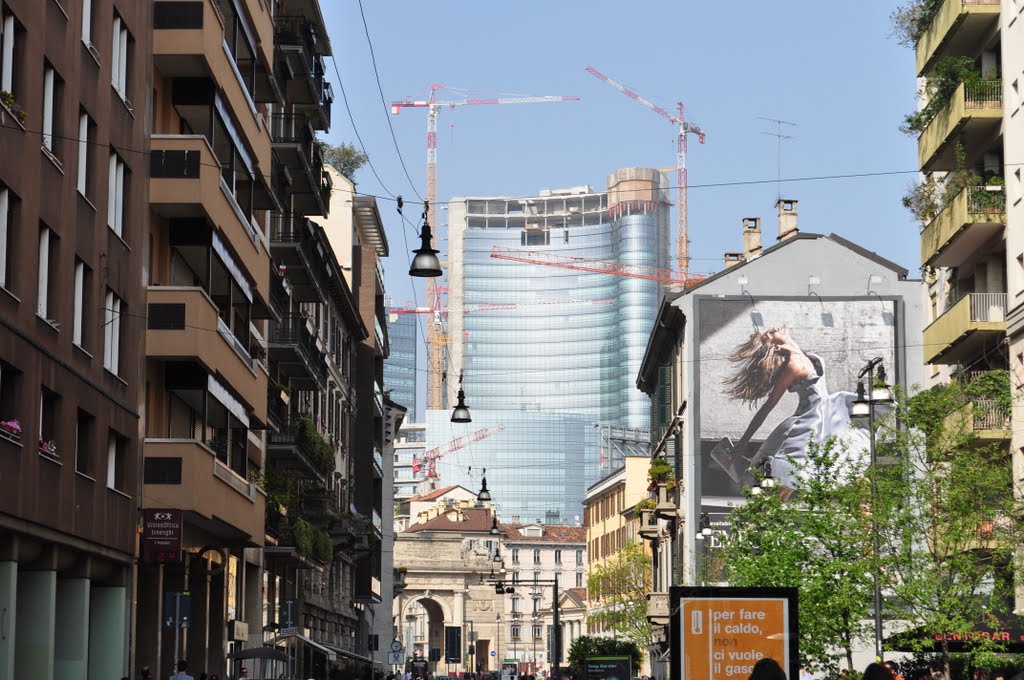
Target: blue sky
827,66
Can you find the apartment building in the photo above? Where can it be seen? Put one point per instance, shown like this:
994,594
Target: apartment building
608,516
972,250
72,310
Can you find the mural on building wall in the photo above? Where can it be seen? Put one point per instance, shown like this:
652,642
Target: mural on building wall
773,376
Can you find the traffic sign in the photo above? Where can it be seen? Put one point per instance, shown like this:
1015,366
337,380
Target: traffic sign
494,653
396,658
396,646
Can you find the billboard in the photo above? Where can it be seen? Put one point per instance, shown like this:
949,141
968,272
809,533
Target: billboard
773,375
720,633
608,668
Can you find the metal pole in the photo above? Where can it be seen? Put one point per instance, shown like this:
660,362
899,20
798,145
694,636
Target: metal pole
177,623
874,513
556,666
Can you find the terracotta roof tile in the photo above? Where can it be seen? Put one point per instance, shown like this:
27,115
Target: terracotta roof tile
580,593
435,494
552,533
469,519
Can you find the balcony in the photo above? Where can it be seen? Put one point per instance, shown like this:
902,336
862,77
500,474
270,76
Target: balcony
965,329
188,42
293,347
972,116
959,28
185,182
301,51
964,225
296,147
985,419
183,473
174,315
299,448
293,243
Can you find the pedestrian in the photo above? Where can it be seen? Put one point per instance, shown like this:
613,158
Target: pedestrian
805,674
936,671
145,673
891,665
767,669
877,671
979,674
182,673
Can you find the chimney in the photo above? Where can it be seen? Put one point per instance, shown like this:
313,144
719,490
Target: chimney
733,259
787,218
515,519
751,237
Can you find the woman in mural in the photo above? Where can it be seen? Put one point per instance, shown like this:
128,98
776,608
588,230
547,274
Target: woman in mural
771,364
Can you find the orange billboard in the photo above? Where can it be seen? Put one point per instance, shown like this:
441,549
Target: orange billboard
720,633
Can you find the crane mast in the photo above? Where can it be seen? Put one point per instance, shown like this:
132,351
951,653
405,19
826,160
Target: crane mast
685,128
436,337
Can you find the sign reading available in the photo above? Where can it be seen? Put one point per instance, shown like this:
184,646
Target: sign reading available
161,536
720,633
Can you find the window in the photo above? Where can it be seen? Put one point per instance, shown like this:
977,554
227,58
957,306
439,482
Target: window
10,424
536,605
87,22
514,631
119,58
536,632
515,577
579,558
515,605
6,233
53,90
86,132
46,269
8,37
77,335
579,579
515,555
536,576
49,416
558,556
83,443
115,194
115,460
536,556
112,310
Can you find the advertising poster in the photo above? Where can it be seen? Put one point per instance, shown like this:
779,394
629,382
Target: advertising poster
608,668
774,375
720,633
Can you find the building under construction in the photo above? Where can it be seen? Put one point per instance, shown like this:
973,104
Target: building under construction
546,337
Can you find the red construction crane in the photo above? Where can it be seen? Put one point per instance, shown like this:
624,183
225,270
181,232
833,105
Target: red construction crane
682,236
634,271
499,306
435,333
435,454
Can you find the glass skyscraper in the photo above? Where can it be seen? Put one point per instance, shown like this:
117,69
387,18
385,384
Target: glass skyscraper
400,366
550,352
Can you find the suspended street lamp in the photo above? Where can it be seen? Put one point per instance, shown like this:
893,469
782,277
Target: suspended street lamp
425,262
461,412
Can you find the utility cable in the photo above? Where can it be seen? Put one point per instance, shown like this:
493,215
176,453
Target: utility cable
394,197
380,89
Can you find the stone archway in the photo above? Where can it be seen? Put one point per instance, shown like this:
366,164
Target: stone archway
423,623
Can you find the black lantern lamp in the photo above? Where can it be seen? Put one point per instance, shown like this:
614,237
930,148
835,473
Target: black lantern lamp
425,263
461,412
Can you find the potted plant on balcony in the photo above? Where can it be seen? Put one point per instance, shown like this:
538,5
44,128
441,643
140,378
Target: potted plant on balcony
11,104
645,511
11,429
48,447
659,473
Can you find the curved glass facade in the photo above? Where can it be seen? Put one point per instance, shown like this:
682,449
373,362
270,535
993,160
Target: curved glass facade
400,366
554,351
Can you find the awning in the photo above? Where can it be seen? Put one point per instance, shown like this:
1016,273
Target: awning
229,263
221,394
315,645
350,655
1007,636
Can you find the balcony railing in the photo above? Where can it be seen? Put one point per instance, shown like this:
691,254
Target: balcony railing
987,94
292,331
297,32
989,414
988,306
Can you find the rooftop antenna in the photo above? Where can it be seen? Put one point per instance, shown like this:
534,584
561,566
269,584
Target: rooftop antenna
779,136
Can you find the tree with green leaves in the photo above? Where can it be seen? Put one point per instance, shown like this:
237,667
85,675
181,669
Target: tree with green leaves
818,540
621,585
589,646
948,512
345,158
